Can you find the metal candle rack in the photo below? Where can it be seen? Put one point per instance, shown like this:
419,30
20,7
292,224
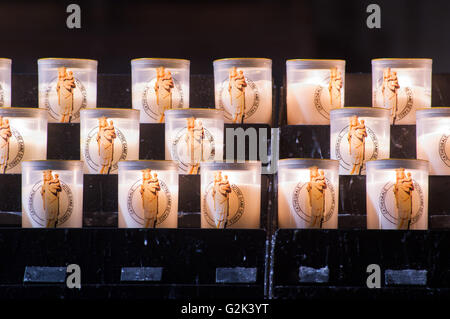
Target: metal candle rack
209,263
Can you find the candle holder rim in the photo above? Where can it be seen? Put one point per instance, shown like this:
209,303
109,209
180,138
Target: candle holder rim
402,59
194,108
143,164
300,59
436,111
289,162
395,163
358,107
90,62
243,58
188,112
137,60
306,62
231,166
53,164
243,62
308,158
407,61
348,109
118,111
110,108
24,110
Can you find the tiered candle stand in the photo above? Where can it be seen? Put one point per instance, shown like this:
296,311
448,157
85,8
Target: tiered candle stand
193,262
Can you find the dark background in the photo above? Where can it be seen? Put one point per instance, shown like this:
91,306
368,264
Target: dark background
114,32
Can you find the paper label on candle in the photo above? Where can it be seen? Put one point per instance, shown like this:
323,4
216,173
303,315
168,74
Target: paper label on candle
223,203
2,96
50,202
314,201
239,96
303,99
334,88
65,97
356,144
311,94
104,147
321,106
162,93
402,202
12,146
404,102
149,201
444,149
191,145
392,93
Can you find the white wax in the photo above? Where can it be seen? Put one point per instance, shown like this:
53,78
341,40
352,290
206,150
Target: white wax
416,96
289,218
176,147
32,151
131,135
375,148
375,217
302,106
144,91
34,135
5,94
126,220
84,94
257,101
250,218
76,217
429,148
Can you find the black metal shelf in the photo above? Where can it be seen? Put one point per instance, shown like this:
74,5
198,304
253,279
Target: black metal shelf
304,260
131,291
189,257
360,294
185,259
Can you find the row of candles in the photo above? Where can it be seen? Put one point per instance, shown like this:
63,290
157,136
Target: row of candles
243,88
52,194
308,194
308,189
110,138
110,135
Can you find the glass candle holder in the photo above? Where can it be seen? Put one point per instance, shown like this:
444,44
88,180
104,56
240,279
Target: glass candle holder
308,193
397,194
193,136
23,137
243,89
359,134
314,87
230,195
148,194
67,86
433,138
107,137
402,86
159,85
5,82
52,194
